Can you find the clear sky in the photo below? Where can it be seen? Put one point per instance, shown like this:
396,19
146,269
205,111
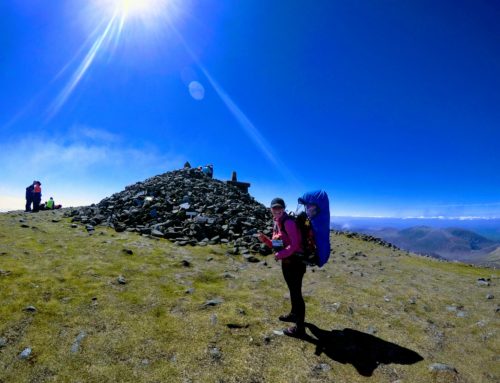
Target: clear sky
392,107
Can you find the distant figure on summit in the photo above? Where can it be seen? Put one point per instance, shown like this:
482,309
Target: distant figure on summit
37,196
29,197
49,205
208,170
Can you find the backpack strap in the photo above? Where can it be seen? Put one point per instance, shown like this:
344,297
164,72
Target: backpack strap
281,223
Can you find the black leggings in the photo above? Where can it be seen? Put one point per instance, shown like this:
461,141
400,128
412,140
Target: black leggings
293,271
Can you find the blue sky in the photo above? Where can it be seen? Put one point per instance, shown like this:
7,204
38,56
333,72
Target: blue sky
390,106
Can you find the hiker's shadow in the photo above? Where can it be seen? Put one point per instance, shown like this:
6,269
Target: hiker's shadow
364,351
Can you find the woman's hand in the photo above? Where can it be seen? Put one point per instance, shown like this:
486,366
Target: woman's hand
265,240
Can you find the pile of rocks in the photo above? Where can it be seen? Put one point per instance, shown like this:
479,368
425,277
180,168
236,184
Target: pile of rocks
184,206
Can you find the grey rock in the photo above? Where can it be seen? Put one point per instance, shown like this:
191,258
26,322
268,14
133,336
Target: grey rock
454,308
121,280
371,330
483,282
3,342
25,354
334,307
487,336
215,353
490,296
30,309
322,367
440,367
75,347
227,275
482,323
251,258
213,302
213,319
157,233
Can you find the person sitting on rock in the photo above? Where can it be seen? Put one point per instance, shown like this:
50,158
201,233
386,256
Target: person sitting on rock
286,242
49,205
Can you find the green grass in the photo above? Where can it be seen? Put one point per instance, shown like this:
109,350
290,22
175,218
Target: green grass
156,327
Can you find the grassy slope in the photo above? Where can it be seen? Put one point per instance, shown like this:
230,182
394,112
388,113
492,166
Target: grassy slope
151,330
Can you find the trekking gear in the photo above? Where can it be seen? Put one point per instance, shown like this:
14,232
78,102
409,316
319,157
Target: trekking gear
320,223
314,227
291,317
308,254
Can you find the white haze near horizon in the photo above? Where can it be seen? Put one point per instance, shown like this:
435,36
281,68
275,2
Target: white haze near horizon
486,226
88,164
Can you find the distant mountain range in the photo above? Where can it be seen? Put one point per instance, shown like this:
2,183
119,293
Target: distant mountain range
451,243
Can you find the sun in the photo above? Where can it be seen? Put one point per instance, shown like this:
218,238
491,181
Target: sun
143,9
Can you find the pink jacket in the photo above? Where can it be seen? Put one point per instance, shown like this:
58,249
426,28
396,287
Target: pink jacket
292,241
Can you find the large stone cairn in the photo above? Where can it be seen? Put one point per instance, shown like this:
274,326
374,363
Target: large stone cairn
186,207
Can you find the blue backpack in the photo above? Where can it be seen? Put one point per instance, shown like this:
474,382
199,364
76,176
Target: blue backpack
319,224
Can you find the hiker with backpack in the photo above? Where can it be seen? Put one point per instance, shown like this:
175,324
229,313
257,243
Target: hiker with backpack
286,241
299,241
29,197
37,196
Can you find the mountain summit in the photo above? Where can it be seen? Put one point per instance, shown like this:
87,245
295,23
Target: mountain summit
185,206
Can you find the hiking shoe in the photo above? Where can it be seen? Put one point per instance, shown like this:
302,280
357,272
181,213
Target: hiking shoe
288,318
296,332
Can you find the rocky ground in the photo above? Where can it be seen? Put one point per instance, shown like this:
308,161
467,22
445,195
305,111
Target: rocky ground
185,206
99,305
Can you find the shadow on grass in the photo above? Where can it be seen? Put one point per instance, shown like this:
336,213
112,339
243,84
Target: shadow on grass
364,351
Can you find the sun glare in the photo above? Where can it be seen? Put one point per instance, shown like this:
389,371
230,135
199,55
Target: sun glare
144,9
